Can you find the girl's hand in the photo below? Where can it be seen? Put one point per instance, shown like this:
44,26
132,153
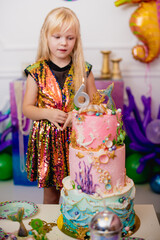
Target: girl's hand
68,122
56,117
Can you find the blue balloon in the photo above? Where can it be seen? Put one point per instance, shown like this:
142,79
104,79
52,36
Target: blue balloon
155,183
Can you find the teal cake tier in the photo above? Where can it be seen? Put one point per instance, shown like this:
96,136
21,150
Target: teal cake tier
78,208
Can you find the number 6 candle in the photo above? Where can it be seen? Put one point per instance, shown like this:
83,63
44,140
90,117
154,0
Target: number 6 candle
80,93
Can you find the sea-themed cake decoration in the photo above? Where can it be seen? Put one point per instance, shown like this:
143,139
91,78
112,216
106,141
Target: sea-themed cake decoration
97,167
108,92
39,227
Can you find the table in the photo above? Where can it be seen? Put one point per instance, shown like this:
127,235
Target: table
149,226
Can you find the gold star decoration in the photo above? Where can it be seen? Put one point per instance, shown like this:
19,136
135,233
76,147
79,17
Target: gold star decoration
112,154
79,155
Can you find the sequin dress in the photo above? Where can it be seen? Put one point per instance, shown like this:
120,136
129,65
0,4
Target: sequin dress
48,147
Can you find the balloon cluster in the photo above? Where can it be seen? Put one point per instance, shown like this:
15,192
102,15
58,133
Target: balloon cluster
143,133
145,25
3,142
5,158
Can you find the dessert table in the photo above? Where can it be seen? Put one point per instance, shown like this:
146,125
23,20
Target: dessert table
149,226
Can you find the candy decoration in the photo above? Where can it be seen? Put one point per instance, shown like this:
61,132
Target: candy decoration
155,183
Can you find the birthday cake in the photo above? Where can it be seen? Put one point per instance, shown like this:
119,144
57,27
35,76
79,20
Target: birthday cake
97,178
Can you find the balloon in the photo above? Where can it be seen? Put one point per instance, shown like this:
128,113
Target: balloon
127,142
132,163
153,131
121,2
135,127
144,24
5,166
156,168
155,183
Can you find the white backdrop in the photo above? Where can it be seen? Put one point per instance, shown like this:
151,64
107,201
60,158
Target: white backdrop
103,27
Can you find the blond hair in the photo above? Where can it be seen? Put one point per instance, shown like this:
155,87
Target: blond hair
55,20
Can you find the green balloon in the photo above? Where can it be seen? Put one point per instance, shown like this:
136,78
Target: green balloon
127,142
132,163
156,168
5,166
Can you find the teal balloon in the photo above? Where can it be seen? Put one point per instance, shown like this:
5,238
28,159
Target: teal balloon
132,163
5,166
155,183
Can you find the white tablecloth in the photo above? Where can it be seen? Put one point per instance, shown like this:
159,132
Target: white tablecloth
149,226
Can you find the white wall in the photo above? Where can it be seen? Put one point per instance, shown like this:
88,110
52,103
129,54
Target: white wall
103,27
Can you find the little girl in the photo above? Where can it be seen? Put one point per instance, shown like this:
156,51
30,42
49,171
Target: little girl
51,85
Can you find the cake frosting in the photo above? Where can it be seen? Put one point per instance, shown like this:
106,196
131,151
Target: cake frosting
97,178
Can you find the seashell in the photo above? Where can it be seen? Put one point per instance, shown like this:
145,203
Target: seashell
90,113
109,144
92,109
103,159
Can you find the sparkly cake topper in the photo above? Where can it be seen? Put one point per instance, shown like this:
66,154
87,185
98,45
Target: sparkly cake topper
98,99
107,92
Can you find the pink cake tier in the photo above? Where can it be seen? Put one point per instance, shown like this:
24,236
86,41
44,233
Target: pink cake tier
99,172
97,163
92,130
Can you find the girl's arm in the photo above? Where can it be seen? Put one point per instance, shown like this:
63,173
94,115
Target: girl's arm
30,110
90,86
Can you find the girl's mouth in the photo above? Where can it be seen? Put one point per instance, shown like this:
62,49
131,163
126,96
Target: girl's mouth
62,50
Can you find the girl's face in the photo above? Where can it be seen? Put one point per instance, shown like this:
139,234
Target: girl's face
61,45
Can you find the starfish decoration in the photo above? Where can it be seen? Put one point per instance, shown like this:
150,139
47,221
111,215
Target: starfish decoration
112,155
79,155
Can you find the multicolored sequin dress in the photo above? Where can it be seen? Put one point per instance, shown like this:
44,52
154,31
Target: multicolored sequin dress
48,147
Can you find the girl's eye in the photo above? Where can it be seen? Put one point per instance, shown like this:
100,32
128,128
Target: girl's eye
70,38
56,36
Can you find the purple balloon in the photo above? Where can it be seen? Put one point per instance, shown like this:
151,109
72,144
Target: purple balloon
153,131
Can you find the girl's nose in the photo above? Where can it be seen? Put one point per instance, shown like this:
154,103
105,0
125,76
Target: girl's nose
63,41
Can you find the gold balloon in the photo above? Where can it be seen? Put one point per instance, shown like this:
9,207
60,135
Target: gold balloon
121,2
145,25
